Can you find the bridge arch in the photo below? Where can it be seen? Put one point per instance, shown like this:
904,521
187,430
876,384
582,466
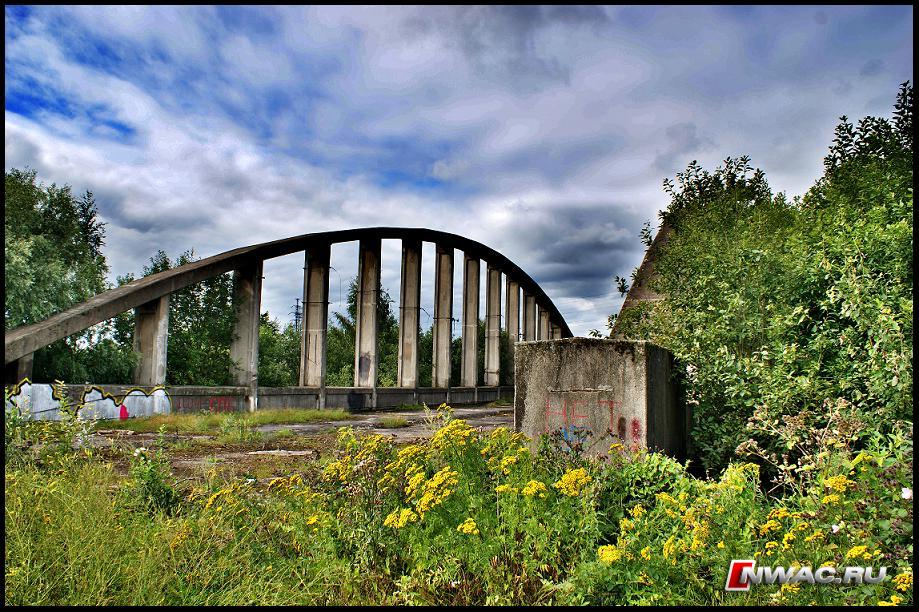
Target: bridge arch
149,297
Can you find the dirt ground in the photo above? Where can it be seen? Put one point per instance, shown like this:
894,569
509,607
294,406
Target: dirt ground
281,449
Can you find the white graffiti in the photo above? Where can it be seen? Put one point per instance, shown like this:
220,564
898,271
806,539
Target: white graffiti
38,402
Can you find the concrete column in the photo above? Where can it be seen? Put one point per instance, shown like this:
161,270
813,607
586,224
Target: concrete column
247,297
19,369
512,305
443,316
492,326
543,324
365,323
151,330
529,316
555,332
409,313
469,369
314,334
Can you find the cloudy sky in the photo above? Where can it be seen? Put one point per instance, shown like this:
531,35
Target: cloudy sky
544,133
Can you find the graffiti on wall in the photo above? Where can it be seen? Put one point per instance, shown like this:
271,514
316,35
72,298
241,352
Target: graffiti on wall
136,402
217,403
574,418
37,400
40,402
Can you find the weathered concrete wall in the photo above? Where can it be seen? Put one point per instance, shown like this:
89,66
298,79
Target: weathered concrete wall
606,391
106,401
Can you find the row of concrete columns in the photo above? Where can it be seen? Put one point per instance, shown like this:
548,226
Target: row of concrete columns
152,320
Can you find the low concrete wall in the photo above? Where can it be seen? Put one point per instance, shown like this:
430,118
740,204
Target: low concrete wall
106,401
601,391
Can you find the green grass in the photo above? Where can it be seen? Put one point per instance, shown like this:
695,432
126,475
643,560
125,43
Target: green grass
211,423
393,422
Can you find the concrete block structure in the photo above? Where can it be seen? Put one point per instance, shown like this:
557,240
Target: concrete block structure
599,392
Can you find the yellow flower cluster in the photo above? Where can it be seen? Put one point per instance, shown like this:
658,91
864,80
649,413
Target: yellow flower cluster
535,488
830,499
398,519
625,525
436,490
468,527
859,551
787,540
505,488
609,554
895,600
456,433
902,582
406,465
770,525
339,470
779,513
646,553
817,534
573,481
838,483
637,511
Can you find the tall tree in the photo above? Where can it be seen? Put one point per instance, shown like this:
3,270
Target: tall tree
53,255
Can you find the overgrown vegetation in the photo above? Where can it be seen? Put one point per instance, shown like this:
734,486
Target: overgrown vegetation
463,518
786,313
216,422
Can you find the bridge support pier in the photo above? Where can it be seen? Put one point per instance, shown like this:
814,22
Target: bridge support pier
529,317
409,311
19,369
247,297
151,331
555,332
492,326
512,306
314,335
471,274
365,323
543,324
443,316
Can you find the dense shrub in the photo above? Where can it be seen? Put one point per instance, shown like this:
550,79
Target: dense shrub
778,307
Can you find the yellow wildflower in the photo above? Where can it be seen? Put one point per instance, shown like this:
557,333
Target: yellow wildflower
637,511
721,544
830,499
468,527
817,534
787,540
858,551
535,488
838,483
779,513
573,481
505,489
400,518
609,554
903,581
625,525
646,553
770,525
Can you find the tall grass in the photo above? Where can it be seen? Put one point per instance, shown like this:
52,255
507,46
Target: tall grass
212,423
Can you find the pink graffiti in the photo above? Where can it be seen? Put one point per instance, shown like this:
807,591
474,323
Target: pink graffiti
636,430
123,414
568,418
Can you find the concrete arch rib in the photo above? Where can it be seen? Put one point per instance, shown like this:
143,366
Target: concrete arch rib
24,340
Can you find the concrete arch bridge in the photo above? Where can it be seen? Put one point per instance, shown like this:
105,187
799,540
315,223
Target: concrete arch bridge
529,314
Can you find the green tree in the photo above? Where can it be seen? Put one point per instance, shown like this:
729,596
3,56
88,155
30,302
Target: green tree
53,256
776,308
340,352
278,353
201,321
